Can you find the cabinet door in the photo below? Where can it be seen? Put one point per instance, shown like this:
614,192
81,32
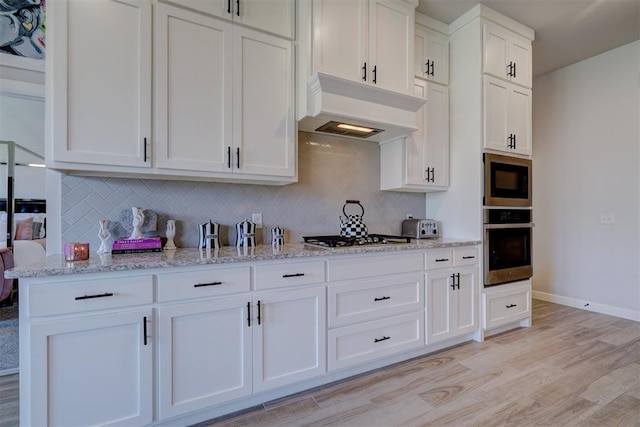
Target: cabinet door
496,95
391,38
290,339
519,118
273,16
465,309
520,54
204,354
439,305
496,45
97,116
193,90
263,109
415,155
93,370
431,55
437,135
341,37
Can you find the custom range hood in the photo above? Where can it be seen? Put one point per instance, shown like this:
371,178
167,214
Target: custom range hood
357,110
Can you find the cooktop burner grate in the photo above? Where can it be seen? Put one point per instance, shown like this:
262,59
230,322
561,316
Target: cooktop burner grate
340,241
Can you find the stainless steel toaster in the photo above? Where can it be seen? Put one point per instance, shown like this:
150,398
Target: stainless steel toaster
420,228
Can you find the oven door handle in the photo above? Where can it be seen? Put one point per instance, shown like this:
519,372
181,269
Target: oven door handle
510,225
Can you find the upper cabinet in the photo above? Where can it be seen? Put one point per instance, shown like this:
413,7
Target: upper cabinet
223,98
431,55
240,119
273,16
369,41
99,82
506,55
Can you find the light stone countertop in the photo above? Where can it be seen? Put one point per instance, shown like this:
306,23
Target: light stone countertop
55,265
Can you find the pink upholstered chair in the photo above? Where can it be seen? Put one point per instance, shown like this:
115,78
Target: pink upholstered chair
6,262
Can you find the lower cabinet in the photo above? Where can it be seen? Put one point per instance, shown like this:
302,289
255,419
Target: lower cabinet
91,370
217,350
451,303
205,354
506,304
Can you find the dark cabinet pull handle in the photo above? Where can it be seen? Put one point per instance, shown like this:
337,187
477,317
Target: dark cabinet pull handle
259,311
381,298
514,70
453,282
106,294
381,339
433,67
238,158
458,277
468,257
229,7
238,7
364,72
442,259
229,153
293,275
428,64
514,140
200,285
145,150
144,329
511,305
248,308
375,74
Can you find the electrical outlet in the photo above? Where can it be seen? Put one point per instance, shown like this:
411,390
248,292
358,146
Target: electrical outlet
607,218
408,216
256,218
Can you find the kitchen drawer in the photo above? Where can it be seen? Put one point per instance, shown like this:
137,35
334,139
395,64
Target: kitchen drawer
269,276
356,344
465,256
374,265
439,259
91,294
374,299
507,305
203,283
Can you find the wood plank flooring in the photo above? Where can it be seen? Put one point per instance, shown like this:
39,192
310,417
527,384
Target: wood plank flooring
571,368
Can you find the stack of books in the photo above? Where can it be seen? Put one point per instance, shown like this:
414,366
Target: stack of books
134,246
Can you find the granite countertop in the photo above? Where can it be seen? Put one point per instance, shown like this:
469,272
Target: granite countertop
55,265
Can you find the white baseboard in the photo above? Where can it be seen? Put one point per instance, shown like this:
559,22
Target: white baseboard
588,305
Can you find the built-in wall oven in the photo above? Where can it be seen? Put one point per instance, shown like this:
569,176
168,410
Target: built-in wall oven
507,245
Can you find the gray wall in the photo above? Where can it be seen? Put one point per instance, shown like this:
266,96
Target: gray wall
330,170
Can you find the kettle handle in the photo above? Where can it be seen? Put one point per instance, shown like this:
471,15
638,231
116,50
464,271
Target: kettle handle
352,202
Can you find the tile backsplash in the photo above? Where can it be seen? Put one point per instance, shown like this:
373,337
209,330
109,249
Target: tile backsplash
330,170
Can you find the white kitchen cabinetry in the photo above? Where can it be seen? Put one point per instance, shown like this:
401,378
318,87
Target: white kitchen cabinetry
369,41
451,296
506,55
507,116
205,354
290,337
240,118
99,82
273,16
96,367
420,162
431,55
506,304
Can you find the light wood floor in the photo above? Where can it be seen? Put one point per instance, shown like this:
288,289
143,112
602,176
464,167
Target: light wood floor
571,368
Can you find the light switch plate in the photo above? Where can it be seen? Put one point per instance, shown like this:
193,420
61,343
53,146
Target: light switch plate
607,218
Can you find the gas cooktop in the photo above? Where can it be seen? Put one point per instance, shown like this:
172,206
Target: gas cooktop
340,241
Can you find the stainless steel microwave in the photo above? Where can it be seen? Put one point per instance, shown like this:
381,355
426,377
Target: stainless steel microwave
507,181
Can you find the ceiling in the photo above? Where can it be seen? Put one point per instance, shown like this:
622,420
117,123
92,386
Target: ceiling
567,31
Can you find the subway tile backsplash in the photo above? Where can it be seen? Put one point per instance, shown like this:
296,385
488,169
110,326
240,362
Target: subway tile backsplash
331,170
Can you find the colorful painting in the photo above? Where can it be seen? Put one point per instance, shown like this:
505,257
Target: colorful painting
22,28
